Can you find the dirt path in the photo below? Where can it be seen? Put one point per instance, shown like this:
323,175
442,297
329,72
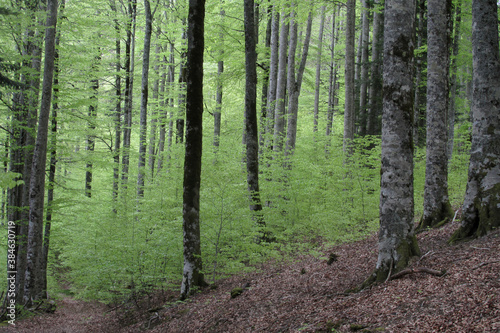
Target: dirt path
71,316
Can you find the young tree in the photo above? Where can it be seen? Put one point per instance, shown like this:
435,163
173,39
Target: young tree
364,69
397,242
481,208
437,206
192,276
33,289
374,100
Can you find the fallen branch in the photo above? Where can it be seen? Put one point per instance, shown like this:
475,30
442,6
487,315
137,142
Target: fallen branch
418,270
485,263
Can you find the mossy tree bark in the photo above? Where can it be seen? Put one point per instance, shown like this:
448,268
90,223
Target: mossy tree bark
437,208
192,274
397,242
481,208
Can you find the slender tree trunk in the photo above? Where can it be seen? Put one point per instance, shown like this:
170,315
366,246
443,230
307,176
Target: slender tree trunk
118,111
318,69
332,82
374,100
152,149
364,70
129,85
252,134
179,124
218,97
266,78
453,79
92,118
419,99
437,206
397,242
33,281
295,84
53,159
193,270
481,208
273,77
144,101
279,112
349,76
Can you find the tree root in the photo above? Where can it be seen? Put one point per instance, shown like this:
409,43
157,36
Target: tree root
418,270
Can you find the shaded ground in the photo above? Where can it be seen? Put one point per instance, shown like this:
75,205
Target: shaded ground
308,296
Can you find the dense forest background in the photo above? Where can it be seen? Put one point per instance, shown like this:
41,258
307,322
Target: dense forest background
115,159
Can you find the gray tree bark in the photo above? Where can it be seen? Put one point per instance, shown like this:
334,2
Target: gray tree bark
143,123
349,75
33,288
397,242
364,70
318,69
481,208
279,111
437,208
273,77
374,100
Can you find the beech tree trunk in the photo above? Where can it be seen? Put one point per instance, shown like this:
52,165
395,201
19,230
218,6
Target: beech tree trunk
453,79
364,70
144,101
118,108
129,85
192,276
92,118
33,289
218,95
397,242
349,75
318,69
419,100
437,208
273,77
295,83
251,131
279,111
481,208
374,95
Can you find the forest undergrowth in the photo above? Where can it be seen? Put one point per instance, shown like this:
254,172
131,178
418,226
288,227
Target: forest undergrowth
308,294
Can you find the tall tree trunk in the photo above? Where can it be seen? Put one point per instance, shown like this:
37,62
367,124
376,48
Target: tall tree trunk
453,79
118,110
33,281
481,208
332,82
273,77
437,206
374,100
252,134
266,77
397,242
192,276
420,98
25,104
53,159
364,70
129,90
318,69
179,124
218,97
141,172
295,83
92,118
349,75
279,111
155,113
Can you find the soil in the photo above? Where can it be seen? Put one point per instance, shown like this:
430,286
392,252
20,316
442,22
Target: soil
309,295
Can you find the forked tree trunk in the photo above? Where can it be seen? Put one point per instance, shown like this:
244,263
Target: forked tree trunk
481,209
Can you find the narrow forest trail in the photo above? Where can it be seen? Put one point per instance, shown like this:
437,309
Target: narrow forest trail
308,295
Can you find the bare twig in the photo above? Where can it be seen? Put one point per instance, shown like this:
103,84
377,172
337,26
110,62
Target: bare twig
485,263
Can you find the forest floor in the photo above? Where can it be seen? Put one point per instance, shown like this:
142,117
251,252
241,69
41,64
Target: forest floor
308,295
